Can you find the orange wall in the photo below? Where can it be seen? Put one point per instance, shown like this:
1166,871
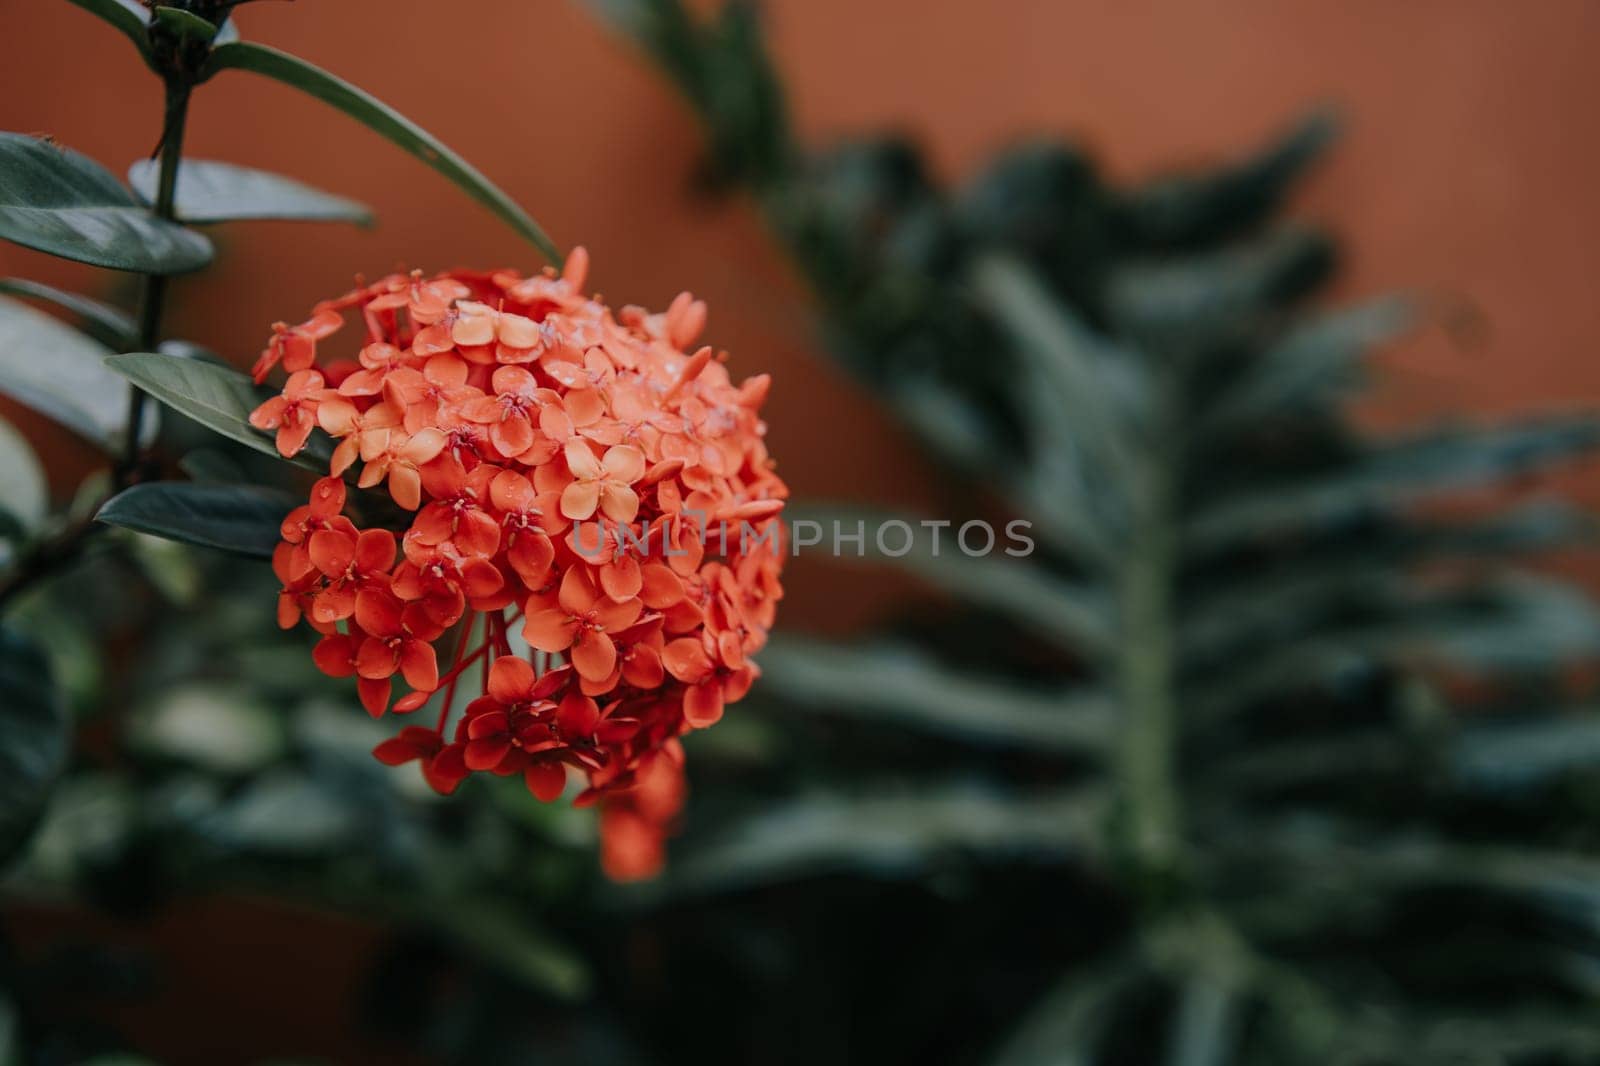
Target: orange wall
1468,169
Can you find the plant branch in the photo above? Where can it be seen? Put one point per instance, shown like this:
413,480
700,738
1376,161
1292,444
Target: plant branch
60,550
155,291
1149,823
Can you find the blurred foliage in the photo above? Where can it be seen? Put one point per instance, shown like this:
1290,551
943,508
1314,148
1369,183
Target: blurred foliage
1278,710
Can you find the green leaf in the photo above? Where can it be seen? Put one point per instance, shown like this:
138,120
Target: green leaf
111,326
891,835
235,518
33,738
219,398
1518,624
184,24
1302,367
1064,1027
1084,400
1070,613
1389,475
128,16
221,192
1090,390
1526,751
55,200
58,371
385,120
905,686
1185,304
1200,208
24,495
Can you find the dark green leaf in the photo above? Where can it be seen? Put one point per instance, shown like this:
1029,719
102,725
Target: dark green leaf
1527,751
1391,474
1064,1027
891,836
109,325
217,397
184,24
221,192
1070,613
56,370
128,16
1513,625
1084,400
1195,209
903,685
1306,364
236,518
383,119
1188,303
58,201
33,740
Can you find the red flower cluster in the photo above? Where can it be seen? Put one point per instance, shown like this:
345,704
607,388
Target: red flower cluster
564,467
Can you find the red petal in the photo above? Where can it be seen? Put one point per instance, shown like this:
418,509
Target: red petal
511,680
702,704
594,656
546,780
686,659
374,695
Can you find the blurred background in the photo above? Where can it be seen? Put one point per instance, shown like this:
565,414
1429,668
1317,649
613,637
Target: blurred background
1426,868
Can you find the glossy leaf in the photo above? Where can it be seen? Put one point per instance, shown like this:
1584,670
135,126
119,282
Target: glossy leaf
235,518
58,371
221,192
111,326
33,740
385,120
55,200
217,397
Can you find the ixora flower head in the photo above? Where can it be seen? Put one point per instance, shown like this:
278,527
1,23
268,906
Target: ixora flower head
562,468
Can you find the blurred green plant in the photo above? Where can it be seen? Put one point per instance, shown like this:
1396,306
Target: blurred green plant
1284,691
